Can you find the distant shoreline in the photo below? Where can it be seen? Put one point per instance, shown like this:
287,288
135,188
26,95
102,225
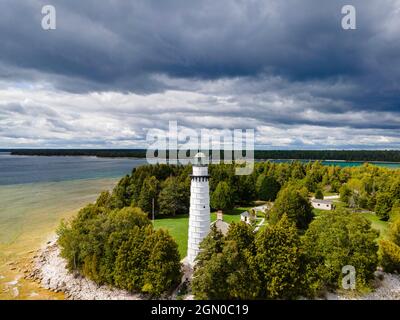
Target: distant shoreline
350,156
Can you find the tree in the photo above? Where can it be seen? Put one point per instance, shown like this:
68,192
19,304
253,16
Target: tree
395,213
243,234
394,231
389,250
104,200
173,198
345,193
278,260
163,271
389,253
383,205
212,244
319,195
337,239
295,204
246,191
131,261
267,188
222,198
224,269
122,196
148,194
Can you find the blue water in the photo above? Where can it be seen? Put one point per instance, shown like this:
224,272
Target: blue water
32,169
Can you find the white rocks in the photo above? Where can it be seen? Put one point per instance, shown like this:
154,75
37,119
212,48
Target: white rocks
49,269
387,287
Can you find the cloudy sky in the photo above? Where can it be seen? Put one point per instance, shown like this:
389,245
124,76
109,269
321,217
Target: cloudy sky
113,69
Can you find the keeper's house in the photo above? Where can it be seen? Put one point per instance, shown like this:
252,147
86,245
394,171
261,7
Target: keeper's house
322,204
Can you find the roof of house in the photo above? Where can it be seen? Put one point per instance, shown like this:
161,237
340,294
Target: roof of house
261,208
222,226
245,214
321,201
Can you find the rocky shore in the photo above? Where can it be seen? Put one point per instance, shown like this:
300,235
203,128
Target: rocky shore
49,270
387,287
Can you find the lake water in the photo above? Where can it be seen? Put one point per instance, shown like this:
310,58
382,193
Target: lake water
35,194
32,169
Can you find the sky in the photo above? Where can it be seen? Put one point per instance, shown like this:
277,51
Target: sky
113,70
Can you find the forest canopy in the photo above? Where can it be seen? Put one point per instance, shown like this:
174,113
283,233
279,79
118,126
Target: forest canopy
345,155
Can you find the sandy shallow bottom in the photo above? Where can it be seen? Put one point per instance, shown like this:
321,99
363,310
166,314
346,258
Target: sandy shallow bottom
29,215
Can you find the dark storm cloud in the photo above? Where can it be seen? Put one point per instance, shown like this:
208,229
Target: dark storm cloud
285,63
120,44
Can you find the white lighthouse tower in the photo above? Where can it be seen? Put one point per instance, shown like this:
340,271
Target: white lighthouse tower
199,214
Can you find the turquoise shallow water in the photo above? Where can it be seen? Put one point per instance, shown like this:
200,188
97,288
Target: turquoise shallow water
393,165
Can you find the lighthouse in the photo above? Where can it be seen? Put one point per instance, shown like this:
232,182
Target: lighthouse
199,213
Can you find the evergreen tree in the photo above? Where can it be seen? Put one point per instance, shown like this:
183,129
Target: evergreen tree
243,235
383,205
267,188
224,270
345,194
222,198
163,271
172,199
278,260
295,204
212,244
148,194
319,194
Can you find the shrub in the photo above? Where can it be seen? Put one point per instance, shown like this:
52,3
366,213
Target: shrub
389,256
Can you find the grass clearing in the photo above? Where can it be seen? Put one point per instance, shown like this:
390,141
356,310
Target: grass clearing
377,224
178,226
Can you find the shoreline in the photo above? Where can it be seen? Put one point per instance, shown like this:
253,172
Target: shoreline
48,269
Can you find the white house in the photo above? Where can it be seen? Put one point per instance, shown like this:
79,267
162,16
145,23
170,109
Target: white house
246,217
322,204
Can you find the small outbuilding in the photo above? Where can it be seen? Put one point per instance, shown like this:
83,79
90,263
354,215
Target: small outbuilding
246,217
322,204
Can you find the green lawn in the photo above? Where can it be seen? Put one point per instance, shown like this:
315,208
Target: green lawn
178,226
178,229
232,215
318,212
376,223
